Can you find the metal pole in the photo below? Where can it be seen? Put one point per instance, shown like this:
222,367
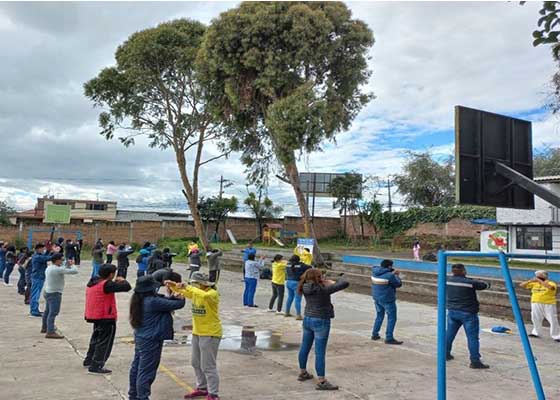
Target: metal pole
521,327
313,206
441,325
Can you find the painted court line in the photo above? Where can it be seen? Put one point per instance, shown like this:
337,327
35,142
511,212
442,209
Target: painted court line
175,378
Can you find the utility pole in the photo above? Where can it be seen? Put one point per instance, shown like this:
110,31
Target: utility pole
224,184
389,194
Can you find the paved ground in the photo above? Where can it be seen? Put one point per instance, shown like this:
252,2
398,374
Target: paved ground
34,368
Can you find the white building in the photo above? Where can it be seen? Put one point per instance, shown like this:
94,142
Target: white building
534,231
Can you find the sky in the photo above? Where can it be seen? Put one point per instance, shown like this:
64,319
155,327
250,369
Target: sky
427,58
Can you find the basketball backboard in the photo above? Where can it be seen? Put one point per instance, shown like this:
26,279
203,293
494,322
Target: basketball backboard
483,139
318,183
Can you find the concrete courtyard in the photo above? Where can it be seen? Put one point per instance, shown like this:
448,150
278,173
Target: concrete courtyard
35,368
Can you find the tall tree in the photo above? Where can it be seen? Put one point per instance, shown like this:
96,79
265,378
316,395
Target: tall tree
286,76
261,206
154,91
547,162
347,190
216,209
5,212
425,182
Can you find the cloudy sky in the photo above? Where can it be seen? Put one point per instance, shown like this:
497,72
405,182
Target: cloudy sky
427,58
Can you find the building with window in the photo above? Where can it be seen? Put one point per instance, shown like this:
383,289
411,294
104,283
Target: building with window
534,231
81,211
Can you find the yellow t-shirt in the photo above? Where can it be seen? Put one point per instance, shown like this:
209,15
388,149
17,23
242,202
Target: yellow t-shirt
306,258
205,310
279,272
541,294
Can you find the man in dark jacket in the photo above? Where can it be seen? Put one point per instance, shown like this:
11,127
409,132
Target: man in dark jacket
122,259
70,250
101,310
385,281
462,310
38,267
155,262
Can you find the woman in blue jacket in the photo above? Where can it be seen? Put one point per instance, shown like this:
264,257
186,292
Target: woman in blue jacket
150,316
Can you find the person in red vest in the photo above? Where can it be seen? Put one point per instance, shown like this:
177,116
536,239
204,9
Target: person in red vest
101,310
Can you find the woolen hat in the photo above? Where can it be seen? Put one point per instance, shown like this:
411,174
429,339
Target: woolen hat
201,278
146,284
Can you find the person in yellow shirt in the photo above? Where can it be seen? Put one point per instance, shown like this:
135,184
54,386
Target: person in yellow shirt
207,332
278,281
543,304
304,254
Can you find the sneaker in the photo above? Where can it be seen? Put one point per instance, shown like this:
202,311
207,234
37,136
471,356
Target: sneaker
287,314
279,313
375,337
557,340
533,335
478,365
393,341
37,315
299,318
305,376
8,284
196,393
270,310
54,335
86,363
254,306
449,357
213,397
43,330
99,370
326,385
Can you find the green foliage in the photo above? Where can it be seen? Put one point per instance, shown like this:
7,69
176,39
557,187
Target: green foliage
548,23
346,189
394,223
216,208
261,207
547,162
285,76
425,182
5,212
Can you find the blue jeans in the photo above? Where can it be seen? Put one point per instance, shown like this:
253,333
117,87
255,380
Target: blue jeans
51,311
293,294
7,272
147,355
314,329
469,321
95,269
249,293
381,309
2,268
36,287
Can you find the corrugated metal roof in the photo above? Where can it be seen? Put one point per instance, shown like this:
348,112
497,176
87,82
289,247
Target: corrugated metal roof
548,179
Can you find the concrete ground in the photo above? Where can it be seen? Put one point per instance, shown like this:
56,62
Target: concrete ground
35,368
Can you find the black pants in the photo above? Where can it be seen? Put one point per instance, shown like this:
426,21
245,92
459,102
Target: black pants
77,259
214,276
109,258
21,281
27,295
277,292
122,271
101,343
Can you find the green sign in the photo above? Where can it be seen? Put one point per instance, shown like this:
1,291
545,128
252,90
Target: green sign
57,214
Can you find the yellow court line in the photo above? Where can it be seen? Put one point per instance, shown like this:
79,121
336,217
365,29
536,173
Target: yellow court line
175,378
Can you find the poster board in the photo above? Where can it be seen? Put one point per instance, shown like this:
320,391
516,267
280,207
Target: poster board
57,214
493,241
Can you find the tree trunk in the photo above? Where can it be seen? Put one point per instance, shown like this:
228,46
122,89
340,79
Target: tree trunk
292,173
192,200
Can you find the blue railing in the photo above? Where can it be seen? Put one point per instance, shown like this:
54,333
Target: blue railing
441,332
518,274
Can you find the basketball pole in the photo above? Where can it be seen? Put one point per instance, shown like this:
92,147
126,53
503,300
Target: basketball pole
521,327
441,325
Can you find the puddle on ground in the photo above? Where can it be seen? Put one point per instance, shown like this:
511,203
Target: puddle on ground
240,339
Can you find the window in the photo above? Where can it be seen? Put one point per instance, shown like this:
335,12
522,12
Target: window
64,203
534,237
96,207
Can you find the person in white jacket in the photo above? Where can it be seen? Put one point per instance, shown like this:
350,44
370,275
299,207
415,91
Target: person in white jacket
252,273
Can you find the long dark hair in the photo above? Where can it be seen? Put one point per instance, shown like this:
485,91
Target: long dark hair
137,309
312,276
294,260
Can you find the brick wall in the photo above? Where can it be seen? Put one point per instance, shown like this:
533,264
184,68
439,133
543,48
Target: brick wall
139,232
456,228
